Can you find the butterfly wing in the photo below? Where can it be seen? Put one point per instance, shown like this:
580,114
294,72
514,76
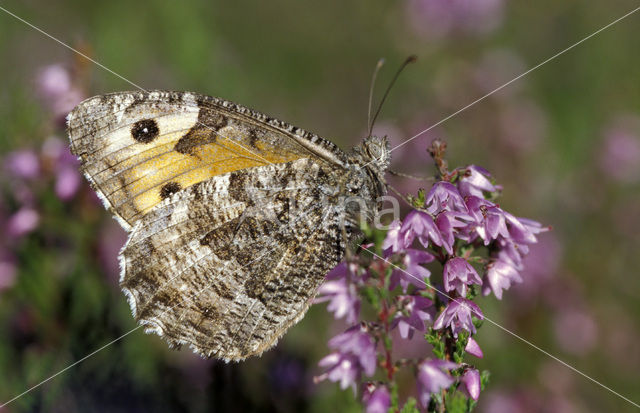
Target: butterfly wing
229,264
138,148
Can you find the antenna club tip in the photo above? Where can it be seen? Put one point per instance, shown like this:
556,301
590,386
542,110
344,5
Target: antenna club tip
411,59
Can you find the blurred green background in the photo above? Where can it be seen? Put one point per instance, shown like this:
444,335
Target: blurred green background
564,142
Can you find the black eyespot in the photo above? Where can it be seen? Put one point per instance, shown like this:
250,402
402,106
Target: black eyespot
145,131
169,189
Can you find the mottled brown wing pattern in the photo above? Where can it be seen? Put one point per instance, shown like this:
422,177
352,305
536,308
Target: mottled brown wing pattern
234,217
237,258
138,148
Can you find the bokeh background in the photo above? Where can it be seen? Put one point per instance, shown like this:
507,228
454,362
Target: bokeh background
564,142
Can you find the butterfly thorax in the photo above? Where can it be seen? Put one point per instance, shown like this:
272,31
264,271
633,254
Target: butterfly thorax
364,184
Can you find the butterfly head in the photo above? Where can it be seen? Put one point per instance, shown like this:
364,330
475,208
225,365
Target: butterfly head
376,151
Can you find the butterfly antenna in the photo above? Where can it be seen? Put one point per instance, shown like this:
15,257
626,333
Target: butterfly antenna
409,59
373,82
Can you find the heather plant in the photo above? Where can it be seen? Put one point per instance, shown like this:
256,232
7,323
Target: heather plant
421,277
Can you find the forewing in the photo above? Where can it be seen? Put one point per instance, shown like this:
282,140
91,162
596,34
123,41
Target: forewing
138,148
228,265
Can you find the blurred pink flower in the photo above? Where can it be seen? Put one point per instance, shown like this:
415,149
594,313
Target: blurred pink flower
55,86
376,398
53,80
433,375
23,164
620,154
395,240
526,400
22,222
500,401
354,354
436,18
575,331
540,267
65,165
343,299
67,183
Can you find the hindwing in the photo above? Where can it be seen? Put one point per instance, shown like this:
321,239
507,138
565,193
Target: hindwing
236,259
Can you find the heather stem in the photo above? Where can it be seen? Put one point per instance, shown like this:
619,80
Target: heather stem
384,317
437,151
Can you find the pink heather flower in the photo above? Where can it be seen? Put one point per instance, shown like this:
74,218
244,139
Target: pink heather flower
458,274
511,252
376,399
414,273
500,275
339,271
532,226
475,182
395,240
457,315
355,353
448,222
420,224
470,381
433,377
23,164
521,233
343,299
444,196
415,310
473,348
342,368
22,222
490,220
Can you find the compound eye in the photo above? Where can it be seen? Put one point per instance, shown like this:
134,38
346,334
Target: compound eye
375,151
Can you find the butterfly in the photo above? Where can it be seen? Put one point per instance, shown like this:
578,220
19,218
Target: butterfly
234,217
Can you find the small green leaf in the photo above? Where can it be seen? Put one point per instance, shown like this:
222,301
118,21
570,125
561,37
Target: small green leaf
393,387
411,406
370,293
456,403
485,377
